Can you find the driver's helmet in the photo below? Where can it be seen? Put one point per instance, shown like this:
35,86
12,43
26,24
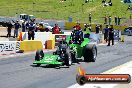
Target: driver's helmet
63,45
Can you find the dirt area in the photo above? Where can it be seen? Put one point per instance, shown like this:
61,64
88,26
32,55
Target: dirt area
3,31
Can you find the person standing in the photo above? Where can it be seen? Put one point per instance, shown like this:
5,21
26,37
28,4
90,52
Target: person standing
16,26
87,31
106,30
111,35
86,1
110,3
90,18
24,26
105,19
9,27
129,7
31,30
78,27
110,19
89,27
56,29
119,20
97,29
116,20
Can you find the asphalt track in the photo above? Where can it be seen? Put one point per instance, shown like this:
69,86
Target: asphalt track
19,72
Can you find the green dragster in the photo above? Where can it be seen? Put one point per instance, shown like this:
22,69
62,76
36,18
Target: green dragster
48,59
77,47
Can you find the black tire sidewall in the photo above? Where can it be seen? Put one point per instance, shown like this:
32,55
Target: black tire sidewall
38,54
89,54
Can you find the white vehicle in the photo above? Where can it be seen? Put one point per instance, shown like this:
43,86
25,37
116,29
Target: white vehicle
25,17
46,25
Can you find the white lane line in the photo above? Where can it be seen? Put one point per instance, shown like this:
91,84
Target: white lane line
122,69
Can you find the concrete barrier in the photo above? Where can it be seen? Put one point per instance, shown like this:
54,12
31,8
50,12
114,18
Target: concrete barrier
70,25
42,36
30,45
50,43
7,47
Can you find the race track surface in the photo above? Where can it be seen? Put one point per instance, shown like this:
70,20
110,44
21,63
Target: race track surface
19,72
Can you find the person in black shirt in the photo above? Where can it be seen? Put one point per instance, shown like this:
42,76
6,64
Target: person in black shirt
116,20
106,30
31,32
90,18
111,35
9,27
97,29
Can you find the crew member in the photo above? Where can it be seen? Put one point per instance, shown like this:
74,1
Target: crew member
56,29
111,35
17,26
31,30
9,27
97,29
87,31
78,27
106,30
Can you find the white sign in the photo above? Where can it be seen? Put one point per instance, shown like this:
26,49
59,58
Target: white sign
7,47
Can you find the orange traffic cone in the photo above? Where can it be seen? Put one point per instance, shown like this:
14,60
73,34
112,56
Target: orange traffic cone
20,36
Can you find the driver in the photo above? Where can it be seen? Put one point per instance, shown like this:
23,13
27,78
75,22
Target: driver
77,36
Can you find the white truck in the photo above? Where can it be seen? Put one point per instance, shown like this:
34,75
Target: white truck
25,17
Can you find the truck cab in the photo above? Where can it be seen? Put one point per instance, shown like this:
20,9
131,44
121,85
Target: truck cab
25,17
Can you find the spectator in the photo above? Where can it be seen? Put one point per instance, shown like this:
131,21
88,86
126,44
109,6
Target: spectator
90,18
105,19
56,29
85,25
116,21
129,7
41,27
17,26
110,3
27,25
130,17
87,31
78,27
111,35
89,27
9,27
86,1
37,27
24,26
31,32
105,31
110,19
97,29
103,1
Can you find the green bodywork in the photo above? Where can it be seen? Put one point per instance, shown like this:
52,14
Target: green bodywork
78,48
49,59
